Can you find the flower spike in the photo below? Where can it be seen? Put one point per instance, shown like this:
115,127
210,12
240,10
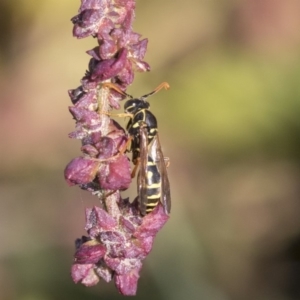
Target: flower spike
118,237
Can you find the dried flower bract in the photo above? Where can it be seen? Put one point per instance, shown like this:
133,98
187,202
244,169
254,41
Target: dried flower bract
118,237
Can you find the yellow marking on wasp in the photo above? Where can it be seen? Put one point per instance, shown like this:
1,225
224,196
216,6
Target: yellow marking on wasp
152,204
153,197
154,186
149,174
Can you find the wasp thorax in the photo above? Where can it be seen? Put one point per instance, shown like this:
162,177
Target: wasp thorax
135,105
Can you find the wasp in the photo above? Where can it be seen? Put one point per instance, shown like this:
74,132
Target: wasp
152,180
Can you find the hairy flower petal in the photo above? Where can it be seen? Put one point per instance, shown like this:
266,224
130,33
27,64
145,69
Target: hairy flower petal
118,175
81,170
108,68
89,253
93,4
152,223
127,283
84,274
104,272
86,23
85,117
89,150
98,217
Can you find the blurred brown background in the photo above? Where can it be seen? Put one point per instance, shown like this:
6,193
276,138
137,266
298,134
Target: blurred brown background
230,125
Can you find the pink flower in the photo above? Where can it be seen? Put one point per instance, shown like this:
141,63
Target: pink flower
116,246
118,237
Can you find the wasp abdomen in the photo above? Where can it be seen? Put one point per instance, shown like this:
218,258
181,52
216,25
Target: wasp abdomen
153,185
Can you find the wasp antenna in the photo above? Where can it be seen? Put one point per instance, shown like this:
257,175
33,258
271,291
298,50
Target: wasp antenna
116,88
164,85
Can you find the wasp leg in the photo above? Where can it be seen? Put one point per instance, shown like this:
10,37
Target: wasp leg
121,115
121,151
116,88
133,173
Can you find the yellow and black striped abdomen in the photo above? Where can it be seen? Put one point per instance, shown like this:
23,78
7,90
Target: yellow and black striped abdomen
153,185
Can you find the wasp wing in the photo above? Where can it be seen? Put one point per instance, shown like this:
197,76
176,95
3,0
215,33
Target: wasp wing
158,156
142,176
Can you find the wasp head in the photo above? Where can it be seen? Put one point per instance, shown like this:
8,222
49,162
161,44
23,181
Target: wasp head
134,105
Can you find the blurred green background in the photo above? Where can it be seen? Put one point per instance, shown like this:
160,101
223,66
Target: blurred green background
230,125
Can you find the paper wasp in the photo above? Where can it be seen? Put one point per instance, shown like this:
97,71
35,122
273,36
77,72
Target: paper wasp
153,183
